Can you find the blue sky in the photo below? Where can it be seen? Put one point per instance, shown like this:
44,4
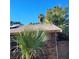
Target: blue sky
26,11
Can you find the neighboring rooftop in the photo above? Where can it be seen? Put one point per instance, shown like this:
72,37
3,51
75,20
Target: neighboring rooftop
15,26
31,27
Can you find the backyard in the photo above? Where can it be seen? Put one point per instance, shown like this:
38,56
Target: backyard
44,39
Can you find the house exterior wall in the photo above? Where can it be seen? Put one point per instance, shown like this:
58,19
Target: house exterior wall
63,49
56,49
51,46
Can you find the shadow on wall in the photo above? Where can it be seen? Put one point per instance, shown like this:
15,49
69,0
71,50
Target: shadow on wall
63,37
63,46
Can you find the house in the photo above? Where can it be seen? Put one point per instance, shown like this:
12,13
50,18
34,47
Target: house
53,49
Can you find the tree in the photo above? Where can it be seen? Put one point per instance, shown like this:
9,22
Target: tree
30,42
12,23
59,17
41,18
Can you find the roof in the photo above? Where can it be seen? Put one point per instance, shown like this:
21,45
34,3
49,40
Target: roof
44,27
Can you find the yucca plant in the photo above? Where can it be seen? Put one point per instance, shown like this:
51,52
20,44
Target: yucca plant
29,42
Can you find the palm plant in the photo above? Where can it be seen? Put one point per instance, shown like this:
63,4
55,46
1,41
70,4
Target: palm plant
30,42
